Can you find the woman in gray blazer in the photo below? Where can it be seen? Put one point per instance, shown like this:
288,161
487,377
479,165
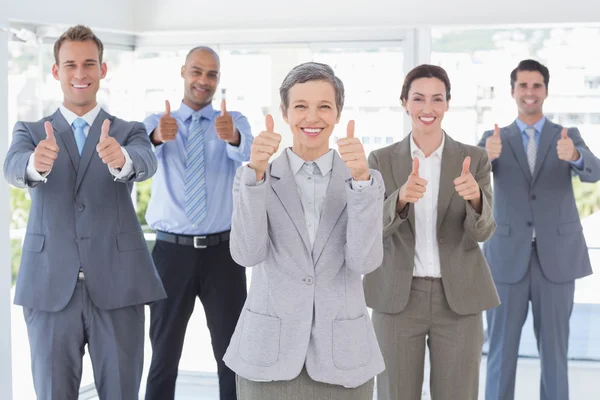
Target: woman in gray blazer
434,281
309,224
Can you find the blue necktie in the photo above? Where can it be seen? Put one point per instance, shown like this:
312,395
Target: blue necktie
79,124
195,182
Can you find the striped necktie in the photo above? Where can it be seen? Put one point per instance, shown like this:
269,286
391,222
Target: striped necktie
195,179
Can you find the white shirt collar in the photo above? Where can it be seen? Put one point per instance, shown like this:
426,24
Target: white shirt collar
415,150
70,116
325,162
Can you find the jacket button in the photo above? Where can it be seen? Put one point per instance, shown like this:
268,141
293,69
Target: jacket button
308,280
20,180
442,239
529,223
81,207
533,197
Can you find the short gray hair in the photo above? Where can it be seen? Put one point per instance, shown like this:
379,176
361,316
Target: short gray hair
311,71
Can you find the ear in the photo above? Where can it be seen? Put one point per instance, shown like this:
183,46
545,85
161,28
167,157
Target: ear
55,72
183,71
339,115
512,92
283,114
405,106
103,70
447,105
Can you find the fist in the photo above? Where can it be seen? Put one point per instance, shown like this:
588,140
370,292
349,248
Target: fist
46,151
225,127
414,188
109,149
493,144
166,130
565,148
352,152
263,147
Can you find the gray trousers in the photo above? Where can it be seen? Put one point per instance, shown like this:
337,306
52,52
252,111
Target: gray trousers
455,342
115,340
551,305
300,388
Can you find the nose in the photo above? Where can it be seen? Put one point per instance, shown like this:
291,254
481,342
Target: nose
312,115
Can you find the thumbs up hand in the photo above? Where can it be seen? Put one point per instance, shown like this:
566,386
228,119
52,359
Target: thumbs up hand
466,186
493,144
263,147
353,153
166,130
109,149
414,188
565,148
225,127
46,151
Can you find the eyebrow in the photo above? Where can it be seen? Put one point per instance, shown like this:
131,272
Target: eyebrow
421,94
194,67
89,60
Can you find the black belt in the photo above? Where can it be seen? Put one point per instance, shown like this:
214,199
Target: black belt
199,242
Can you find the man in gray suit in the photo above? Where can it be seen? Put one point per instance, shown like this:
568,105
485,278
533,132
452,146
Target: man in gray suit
538,249
86,271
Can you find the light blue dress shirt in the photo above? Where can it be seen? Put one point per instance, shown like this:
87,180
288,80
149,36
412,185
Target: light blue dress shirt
538,126
166,211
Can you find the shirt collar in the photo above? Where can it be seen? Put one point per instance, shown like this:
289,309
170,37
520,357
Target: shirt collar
538,126
325,162
185,111
89,117
415,150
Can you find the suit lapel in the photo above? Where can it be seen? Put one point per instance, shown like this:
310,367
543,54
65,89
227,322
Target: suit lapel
89,149
335,204
548,136
515,140
63,130
452,159
286,190
401,162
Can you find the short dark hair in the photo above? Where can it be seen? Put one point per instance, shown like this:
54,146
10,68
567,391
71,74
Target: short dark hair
530,65
78,33
311,71
425,71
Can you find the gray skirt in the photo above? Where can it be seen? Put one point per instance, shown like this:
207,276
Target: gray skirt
300,388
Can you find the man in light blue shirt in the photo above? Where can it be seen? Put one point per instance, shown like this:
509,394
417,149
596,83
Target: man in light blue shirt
198,150
538,249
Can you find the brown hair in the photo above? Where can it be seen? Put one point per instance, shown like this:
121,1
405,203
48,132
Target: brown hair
79,33
425,71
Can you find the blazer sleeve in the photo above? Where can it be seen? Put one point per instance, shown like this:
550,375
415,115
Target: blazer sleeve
481,144
140,151
17,158
391,219
480,227
591,164
364,244
249,239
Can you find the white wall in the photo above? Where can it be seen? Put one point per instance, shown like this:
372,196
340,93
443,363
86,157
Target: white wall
5,270
197,15
114,15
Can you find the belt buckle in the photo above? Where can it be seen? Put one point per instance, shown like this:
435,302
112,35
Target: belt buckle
197,241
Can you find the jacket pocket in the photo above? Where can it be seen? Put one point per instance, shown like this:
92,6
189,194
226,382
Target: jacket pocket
351,346
131,241
259,343
33,242
569,227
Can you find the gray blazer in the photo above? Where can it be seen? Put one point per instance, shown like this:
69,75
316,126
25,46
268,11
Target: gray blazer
82,218
544,200
466,276
305,306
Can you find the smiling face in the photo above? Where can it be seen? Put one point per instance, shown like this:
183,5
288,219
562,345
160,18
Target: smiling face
201,78
426,104
79,71
529,93
311,114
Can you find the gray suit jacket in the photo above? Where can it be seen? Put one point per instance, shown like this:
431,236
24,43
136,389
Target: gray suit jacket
466,276
305,306
82,218
544,200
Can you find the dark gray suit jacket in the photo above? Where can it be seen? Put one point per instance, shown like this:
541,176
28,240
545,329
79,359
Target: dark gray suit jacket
82,217
544,200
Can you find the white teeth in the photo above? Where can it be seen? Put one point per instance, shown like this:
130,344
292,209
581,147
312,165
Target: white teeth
80,86
427,119
529,101
312,130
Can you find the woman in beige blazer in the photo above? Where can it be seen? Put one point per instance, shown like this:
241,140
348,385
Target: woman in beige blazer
434,281
310,224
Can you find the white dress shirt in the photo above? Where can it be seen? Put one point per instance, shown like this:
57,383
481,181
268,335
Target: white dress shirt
34,176
427,253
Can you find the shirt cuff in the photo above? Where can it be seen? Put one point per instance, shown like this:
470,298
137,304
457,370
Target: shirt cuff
121,173
236,149
32,174
361,185
579,162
